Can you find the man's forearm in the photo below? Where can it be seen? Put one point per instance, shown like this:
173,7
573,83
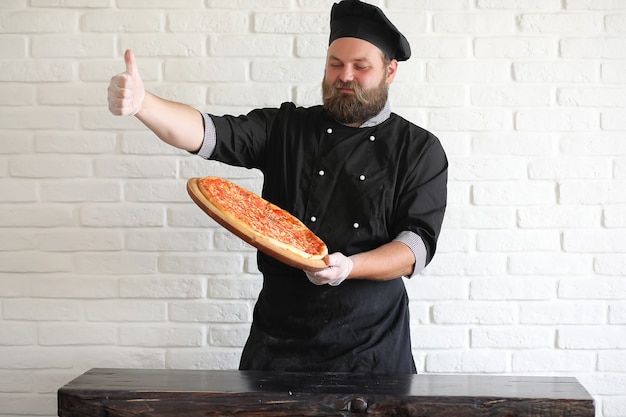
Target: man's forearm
388,261
174,123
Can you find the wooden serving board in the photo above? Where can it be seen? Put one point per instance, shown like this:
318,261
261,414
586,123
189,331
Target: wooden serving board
249,235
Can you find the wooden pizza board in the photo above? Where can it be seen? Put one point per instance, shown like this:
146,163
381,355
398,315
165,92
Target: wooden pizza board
265,245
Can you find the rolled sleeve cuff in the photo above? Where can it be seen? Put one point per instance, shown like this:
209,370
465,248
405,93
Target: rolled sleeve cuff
416,244
210,138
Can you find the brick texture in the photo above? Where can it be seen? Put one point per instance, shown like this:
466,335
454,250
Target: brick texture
105,261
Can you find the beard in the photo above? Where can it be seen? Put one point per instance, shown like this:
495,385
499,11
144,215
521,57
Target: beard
352,108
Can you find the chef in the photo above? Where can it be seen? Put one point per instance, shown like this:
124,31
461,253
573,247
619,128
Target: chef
369,183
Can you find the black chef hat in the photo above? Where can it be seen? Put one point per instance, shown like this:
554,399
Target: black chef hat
355,19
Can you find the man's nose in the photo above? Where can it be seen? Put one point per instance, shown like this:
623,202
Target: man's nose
346,75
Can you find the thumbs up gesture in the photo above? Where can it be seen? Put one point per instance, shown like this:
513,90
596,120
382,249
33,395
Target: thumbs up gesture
126,91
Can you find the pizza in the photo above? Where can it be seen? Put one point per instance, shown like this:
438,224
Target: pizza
259,222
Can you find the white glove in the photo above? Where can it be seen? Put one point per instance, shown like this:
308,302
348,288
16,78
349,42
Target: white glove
339,267
126,91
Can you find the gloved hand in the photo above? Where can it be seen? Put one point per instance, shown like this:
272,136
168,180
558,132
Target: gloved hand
339,267
126,91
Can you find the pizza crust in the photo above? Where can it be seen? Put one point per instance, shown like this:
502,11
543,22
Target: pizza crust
285,253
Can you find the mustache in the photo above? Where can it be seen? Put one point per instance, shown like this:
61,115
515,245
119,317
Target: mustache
340,84
359,93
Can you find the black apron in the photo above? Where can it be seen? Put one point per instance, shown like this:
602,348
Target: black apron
356,188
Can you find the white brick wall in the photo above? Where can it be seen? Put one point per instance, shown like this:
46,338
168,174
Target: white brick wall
105,261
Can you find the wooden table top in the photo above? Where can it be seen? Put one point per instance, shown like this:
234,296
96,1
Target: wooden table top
168,392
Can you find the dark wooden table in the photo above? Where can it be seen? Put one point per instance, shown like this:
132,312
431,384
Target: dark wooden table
194,393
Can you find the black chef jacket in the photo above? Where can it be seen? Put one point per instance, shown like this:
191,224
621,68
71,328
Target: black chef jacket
357,189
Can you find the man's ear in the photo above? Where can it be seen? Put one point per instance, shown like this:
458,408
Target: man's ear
392,69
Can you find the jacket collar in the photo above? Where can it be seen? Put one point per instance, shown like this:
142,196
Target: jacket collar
384,114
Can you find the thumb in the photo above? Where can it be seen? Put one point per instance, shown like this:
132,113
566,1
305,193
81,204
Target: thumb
131,66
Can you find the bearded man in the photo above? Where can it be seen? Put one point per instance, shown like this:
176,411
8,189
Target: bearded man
369,183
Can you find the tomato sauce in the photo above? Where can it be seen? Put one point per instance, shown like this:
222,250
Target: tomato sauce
261,215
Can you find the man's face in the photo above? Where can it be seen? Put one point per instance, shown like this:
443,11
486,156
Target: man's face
356,80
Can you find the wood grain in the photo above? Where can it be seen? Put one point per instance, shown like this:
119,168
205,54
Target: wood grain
193,393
